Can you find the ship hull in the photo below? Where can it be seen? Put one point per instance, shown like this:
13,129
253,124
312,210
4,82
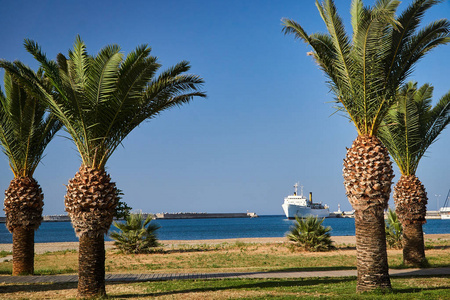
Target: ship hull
303,211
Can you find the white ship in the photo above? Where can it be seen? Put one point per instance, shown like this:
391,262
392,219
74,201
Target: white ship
298,205
445,210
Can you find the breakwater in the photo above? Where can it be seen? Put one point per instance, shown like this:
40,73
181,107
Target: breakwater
65,218
203,215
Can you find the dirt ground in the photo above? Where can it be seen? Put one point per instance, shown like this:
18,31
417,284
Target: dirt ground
339,240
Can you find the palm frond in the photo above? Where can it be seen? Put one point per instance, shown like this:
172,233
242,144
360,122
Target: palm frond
417,46
101,98
356,12
344,63
412,125
365,72
26,127
292,27
80,61
438,119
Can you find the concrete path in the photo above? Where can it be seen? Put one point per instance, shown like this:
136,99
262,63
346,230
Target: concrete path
180,276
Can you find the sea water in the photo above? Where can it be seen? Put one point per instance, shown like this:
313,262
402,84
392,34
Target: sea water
221,228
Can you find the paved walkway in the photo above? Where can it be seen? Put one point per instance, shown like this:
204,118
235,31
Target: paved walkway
180,276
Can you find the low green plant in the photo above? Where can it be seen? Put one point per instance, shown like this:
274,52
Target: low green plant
4,253
394,232
136,235
309,234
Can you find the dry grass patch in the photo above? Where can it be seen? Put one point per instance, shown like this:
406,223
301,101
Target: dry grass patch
232,258
225,257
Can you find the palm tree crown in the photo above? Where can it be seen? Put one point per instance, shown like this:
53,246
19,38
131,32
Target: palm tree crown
365,71
26,127
102,98
412,125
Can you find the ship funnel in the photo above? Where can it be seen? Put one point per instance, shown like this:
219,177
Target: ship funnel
310,197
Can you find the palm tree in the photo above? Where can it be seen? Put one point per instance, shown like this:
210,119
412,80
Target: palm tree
309,234
101,99
25,131
412,125
136,235
364,72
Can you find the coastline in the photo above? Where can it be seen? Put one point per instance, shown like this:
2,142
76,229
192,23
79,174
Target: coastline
339,240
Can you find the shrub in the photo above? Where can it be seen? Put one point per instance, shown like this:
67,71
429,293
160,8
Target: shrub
394,232
136,234
122,209
309,233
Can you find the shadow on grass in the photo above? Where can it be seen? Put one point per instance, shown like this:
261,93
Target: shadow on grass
312,269
437,247
268,285
265,284
415,290
340,247
209,285
429,265
37,287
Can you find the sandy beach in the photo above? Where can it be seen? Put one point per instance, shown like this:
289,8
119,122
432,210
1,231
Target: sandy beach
339,240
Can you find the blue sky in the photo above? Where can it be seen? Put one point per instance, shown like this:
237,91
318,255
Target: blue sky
267,121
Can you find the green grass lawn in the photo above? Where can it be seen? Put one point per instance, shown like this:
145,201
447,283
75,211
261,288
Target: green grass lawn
305,288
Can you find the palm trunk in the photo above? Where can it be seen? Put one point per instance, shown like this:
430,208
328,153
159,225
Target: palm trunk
23,209
411,199
368,177
23,251
371,255
90,202
91,266
413,245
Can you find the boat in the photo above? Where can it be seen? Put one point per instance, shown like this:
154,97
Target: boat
298,205
445,210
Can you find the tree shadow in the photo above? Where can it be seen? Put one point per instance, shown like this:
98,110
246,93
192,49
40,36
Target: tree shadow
281,283
37,287
262,284
311,269
268,284
415,290
443,247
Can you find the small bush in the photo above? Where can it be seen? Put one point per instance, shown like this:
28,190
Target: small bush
309,234
4,253
394,232
122,209
136,234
